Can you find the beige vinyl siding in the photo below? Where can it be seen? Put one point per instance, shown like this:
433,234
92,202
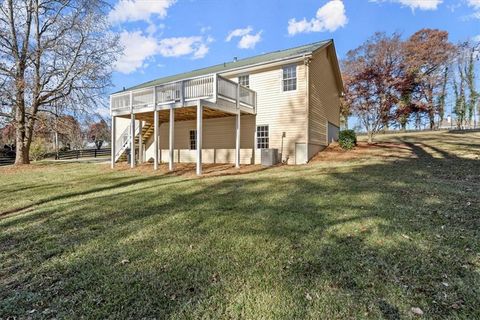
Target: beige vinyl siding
218,140
281,111
304,126
324,104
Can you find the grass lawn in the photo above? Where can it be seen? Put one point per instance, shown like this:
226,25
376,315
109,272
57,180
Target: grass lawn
370,234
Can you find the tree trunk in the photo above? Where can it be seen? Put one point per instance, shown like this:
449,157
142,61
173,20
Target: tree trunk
370,137
22,154
431,109
432,121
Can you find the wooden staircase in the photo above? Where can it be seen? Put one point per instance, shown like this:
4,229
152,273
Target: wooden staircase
147,132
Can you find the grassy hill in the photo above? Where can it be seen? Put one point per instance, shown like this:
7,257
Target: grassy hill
370,233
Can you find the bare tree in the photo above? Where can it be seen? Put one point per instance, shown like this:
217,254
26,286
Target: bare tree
70,132
466,94
470,79
52,50
459,91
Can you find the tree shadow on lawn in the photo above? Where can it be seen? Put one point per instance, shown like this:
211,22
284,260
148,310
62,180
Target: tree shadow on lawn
367,241
113,183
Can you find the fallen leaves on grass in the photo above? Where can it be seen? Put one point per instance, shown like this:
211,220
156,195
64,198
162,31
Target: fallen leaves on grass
417,311
406,237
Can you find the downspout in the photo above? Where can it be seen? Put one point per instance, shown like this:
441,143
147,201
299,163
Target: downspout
306,62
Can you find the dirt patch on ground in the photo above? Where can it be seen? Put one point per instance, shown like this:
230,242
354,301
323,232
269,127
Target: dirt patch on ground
14,169
364,150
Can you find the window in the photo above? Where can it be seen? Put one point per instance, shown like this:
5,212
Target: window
193,139
289,78
262,137
244,80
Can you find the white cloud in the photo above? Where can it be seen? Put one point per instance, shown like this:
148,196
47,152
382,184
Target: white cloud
238,33
137,10
417,4
210,39
247,40
476,38
201,51
139,48
421,4
155,29
474,3
205,29
329,17
181,46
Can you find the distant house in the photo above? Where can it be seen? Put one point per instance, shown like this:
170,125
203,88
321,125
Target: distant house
451,123
286,100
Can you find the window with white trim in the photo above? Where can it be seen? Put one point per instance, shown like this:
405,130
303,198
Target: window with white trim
244,80
289,78
193,139
262,137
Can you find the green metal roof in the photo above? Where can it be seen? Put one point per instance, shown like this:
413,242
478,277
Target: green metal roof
219,68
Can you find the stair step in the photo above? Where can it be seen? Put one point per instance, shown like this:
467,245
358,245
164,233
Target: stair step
147,131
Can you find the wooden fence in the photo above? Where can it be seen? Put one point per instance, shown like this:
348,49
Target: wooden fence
5,160
85,153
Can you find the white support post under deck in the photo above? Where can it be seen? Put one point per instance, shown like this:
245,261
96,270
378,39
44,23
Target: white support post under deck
170,138
199,137
132,141
237,140
112,143
254,139
237,130
140,142
155,140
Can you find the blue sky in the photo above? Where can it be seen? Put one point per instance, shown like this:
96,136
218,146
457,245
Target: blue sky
164,37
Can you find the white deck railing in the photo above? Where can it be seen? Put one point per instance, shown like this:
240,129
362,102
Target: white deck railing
210,87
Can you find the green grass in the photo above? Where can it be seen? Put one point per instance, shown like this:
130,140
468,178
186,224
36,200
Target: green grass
370,237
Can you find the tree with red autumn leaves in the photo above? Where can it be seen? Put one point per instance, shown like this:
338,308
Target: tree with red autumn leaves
98,133
373,76
389,80
427,56
7,137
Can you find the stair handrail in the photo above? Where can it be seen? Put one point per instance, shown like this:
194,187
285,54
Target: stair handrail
124,140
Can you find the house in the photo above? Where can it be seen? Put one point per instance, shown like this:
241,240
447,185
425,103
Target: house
286,100
452,123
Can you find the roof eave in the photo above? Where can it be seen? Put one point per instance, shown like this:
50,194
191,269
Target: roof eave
267,63
253,66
